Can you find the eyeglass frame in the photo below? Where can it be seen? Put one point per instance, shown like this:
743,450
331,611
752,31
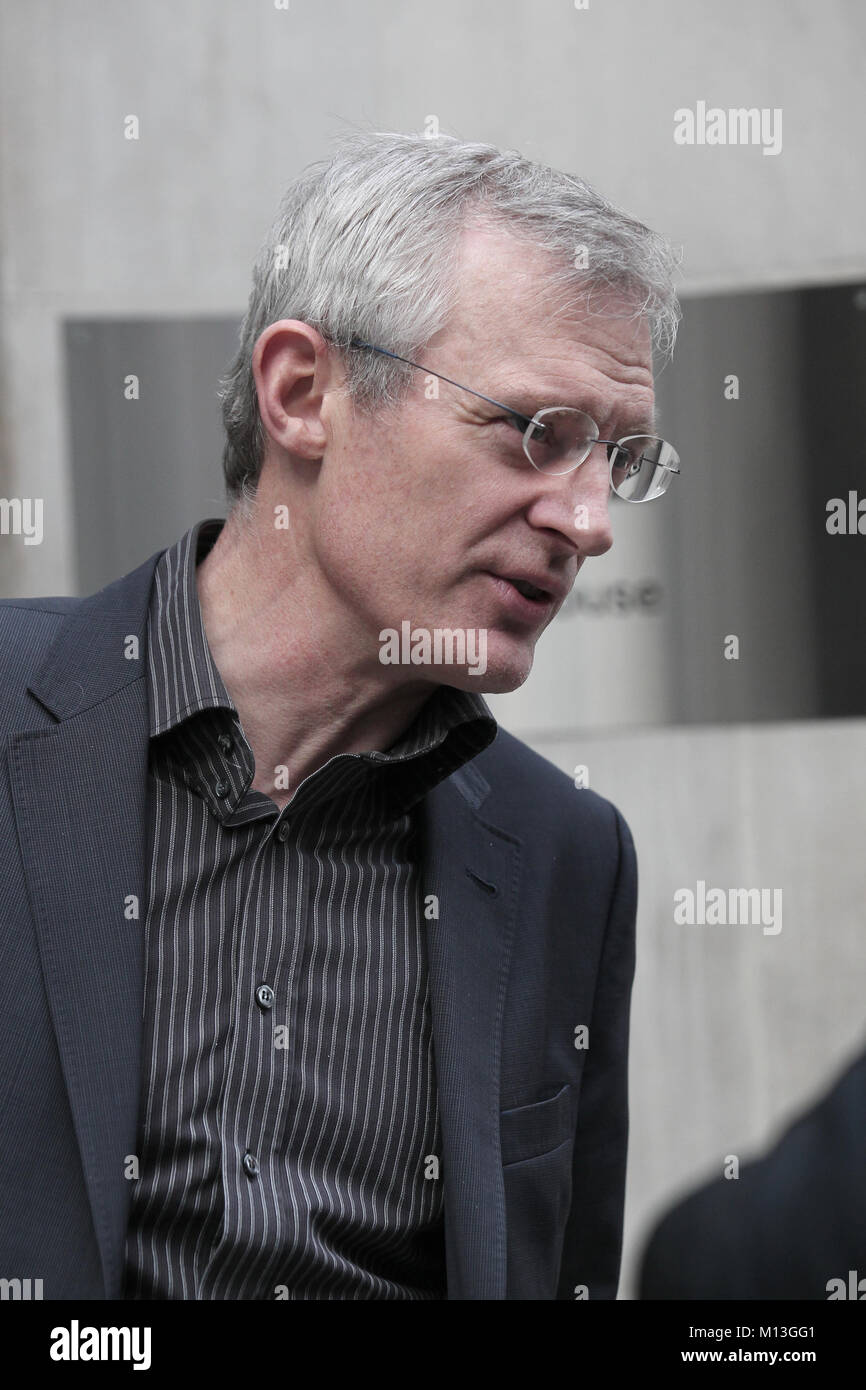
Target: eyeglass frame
535,422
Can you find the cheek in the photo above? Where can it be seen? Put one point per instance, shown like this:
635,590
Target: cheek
393,503
399,512
372,534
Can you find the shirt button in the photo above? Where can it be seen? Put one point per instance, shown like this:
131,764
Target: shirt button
284,831
222,788
265,997
226,743
251,1164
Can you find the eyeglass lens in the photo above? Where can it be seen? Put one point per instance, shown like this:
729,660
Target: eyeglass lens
642,465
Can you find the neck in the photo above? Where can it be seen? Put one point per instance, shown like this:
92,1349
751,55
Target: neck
296,663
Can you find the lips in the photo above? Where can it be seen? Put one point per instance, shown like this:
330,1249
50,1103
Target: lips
537,587
529,590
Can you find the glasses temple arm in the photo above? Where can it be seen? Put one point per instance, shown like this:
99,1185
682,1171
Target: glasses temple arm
527,421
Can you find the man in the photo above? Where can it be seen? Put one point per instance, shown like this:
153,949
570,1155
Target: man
316,985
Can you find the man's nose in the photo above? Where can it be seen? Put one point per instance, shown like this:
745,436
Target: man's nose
577,504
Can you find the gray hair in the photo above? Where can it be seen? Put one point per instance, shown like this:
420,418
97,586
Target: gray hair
365,246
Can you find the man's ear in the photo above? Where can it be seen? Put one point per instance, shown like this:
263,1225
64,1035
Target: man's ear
293,369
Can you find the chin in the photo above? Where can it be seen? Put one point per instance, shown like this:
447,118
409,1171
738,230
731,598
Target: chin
505,671
509,662
503,681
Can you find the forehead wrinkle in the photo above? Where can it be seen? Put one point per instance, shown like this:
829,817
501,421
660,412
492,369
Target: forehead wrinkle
611,381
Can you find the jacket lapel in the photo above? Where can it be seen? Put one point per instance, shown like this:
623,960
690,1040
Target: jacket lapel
79,791
473,868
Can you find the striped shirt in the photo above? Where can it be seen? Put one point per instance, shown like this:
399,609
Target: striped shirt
288,1106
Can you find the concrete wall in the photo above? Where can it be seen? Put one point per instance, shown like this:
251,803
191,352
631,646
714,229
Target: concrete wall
732,1028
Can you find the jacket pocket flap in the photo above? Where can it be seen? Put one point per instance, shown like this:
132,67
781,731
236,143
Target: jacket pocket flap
530,1130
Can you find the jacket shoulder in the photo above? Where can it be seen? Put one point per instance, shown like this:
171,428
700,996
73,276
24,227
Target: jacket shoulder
58,604
27,629
524,782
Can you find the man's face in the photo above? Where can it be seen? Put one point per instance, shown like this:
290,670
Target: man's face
426,512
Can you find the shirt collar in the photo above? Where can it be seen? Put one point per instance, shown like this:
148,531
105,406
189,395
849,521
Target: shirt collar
183,676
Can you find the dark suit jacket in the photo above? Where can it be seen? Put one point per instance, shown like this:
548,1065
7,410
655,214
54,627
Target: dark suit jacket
787,1226
537,887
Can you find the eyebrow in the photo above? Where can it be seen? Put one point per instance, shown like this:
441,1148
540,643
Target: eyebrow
645,425
650,426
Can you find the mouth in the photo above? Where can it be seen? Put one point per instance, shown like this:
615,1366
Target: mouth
530,590
524,598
